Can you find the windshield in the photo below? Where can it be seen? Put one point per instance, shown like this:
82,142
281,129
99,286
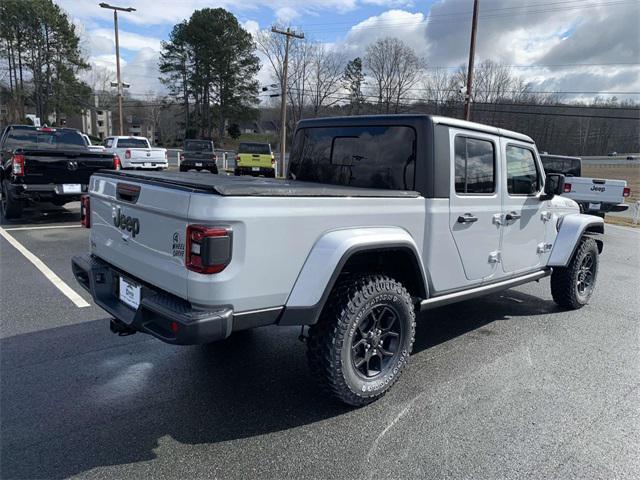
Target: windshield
133,143
49,139
255,148
198,146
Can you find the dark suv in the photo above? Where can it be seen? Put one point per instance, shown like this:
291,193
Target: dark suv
198,155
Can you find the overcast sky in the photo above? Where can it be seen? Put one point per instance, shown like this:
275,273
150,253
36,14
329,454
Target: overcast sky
558,45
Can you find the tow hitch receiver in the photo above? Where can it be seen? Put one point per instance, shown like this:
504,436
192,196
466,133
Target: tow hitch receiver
120,328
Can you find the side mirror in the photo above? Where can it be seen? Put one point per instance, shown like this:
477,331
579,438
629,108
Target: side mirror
553,185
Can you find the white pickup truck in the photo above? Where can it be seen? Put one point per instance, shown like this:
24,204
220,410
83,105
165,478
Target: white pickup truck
136,153
595,196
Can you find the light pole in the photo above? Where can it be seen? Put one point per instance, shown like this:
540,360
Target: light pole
115,26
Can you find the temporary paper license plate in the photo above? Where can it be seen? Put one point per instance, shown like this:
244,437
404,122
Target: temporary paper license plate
71,188
594,206
129,293
255,169
198,164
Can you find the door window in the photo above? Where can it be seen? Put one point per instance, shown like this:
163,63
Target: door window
474,166
523,177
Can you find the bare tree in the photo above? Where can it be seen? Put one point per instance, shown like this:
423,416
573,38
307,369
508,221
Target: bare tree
395,69
438,87
272,46
325,80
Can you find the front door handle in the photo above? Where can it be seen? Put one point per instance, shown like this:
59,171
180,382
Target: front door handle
512,216
467,218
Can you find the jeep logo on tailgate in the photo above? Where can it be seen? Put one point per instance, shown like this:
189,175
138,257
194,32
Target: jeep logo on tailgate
597,189
126,222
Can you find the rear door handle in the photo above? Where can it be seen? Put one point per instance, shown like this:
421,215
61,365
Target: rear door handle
512,216
467,218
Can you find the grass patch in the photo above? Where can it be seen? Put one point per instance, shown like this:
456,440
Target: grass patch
630,173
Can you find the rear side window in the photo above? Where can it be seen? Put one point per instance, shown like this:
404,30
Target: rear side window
474,166
133,143
195,146
360,156
48,139
571,167
255,148
523,177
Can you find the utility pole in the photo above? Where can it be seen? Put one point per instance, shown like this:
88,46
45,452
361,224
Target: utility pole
472,54
289,34
115,26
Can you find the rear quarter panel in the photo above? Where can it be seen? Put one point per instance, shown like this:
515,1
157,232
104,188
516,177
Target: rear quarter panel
273,236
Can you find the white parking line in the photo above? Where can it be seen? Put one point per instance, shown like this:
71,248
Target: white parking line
46,271
46,227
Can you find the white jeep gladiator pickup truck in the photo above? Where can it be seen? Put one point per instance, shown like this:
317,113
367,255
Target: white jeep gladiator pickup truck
136,153
595,196
382,217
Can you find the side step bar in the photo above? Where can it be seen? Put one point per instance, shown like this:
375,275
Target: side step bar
435,302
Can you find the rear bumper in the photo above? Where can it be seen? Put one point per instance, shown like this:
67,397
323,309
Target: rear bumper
605,207
194,165
266,171
144,165
47,190
160,314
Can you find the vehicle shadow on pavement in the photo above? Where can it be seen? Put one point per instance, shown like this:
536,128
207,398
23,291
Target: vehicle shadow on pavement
46,213
76,397
445,323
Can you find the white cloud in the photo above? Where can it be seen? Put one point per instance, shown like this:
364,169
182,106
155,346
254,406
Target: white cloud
509,35
158,12
408,27
128,40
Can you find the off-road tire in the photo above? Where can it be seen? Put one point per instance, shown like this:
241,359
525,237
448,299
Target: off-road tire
183,169
10,207
565,281
330,341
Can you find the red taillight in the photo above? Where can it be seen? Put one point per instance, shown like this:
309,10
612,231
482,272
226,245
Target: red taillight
117,164
567,188
46,129
626,191
127,154
215,158
237,157
85,211
208,249
18,165
182,157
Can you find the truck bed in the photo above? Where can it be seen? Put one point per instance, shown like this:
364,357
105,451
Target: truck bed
245,186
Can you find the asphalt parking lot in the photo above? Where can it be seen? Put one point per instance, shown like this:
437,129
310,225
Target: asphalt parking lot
508,386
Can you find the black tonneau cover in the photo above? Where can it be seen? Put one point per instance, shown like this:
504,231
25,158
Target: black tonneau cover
246,186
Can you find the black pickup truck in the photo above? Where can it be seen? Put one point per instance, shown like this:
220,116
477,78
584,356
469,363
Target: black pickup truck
45,165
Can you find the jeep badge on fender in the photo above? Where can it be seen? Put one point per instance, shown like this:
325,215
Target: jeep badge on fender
125,222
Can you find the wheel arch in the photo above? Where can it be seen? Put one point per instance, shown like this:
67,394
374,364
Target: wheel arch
373,250
571,228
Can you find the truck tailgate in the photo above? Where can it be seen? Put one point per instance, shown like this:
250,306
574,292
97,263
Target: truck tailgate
146,155
63,167
595,190
140,228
